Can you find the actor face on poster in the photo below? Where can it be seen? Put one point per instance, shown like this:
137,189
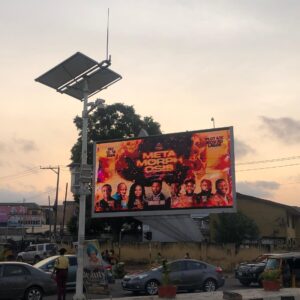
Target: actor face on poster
191,170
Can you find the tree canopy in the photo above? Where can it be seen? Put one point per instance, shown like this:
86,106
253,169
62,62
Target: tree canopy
234,228
115,121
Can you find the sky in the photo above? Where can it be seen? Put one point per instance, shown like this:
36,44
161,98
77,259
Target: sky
183,62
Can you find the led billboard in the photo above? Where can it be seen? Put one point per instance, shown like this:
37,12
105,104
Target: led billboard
179,173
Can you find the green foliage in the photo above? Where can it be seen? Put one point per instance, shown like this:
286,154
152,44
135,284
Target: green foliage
270,275
234,228
119,270
72,226
116,121
166,273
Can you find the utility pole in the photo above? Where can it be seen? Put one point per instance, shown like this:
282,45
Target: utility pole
50,218
56,170
64,213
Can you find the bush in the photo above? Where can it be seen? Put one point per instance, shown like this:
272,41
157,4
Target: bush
270,275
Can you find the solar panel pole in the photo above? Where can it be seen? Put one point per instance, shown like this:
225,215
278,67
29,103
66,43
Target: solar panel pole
81,224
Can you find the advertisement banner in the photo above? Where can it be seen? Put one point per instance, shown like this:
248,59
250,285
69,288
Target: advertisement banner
178,173
94,273
12,215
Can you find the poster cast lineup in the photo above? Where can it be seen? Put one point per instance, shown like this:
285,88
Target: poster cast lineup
176,171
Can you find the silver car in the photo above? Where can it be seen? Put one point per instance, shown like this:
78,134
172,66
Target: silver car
186,274
47,265
23,281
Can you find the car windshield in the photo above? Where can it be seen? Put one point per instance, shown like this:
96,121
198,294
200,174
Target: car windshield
50,247
44,261
272,263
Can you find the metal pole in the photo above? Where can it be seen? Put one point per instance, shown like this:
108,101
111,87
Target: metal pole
81,224
50,218
64,213
56,201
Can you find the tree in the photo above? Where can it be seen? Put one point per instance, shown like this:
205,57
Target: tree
234,228
116,121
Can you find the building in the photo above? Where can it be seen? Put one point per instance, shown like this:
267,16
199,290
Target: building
277,223
17,215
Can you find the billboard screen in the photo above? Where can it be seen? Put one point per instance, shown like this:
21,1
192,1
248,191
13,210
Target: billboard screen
169,174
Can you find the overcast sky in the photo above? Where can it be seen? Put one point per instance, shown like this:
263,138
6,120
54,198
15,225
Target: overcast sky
182,62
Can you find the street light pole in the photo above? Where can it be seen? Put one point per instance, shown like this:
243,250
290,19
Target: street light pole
213,121
81,224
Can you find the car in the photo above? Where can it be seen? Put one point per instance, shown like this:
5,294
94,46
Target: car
22,281
37,252
47,265
249,272
186,274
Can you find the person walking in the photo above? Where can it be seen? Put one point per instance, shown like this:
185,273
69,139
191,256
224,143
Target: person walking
61,266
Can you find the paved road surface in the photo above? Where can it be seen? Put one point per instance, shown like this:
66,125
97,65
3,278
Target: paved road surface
117,292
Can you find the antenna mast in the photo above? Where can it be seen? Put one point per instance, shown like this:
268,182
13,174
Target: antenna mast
107,36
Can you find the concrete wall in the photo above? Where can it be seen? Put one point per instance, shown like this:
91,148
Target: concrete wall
226,256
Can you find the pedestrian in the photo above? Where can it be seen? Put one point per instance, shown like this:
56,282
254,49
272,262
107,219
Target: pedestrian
159,258
187,256
61,268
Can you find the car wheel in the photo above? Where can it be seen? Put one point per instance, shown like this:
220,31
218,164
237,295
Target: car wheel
245,282
33,293
152,287
209,285
19,258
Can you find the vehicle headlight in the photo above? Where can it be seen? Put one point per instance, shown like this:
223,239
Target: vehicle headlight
142,276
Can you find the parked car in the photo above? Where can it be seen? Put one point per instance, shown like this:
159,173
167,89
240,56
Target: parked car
47,265
23,281
37,252
249,272
186,274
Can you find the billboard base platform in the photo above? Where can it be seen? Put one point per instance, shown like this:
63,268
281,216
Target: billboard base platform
173,228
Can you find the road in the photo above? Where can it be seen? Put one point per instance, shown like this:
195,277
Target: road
117,292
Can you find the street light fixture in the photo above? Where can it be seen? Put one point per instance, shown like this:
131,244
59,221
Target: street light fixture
81,77
213,121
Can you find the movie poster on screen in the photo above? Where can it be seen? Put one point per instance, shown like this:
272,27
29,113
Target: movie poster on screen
173,174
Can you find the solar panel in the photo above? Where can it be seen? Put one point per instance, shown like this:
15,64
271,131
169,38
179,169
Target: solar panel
66,71
97,81
69,77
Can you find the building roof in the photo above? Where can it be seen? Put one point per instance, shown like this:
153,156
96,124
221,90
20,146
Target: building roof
291,209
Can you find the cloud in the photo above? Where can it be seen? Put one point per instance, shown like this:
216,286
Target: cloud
32,195
25,145
242,149
2,147
284,129
11,196
258,188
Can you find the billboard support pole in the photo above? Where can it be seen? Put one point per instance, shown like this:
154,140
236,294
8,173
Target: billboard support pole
81,224
150,253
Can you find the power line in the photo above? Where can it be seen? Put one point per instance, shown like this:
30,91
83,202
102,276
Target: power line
273,167
21,174
268,160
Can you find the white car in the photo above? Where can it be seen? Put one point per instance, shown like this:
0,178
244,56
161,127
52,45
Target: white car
37,252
